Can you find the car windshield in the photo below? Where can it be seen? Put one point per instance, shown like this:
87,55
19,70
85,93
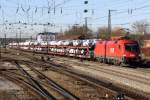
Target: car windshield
132,47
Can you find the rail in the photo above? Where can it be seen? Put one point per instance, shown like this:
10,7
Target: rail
44,92
50,82
54,85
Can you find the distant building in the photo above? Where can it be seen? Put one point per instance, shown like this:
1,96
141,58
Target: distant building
47,36
147,43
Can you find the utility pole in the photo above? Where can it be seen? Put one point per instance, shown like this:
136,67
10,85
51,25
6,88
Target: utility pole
31,38
16,37
31,46
0,51
20,35
47,42
109,25
5,43
17,40
86,27
108,36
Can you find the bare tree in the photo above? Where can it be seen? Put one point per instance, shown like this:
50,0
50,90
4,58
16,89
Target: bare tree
140,27
76,31
116,31
102,31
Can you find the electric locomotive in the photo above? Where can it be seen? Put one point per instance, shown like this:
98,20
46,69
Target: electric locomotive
118,51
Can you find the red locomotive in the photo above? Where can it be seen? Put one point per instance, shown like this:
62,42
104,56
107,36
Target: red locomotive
117,51
120,50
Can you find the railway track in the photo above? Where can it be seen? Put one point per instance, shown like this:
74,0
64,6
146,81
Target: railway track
63,69
133,77
35,83
103,83
144,64
103,86
50,83
124,72
98,84
36,94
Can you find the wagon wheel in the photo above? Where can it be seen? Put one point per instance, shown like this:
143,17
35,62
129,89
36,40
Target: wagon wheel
101,60
117,63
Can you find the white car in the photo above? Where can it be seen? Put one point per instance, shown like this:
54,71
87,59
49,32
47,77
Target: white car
77,42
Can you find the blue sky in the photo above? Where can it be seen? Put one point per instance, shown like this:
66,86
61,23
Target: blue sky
68,13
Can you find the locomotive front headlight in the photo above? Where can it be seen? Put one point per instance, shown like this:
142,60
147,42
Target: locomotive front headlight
132,55
124,55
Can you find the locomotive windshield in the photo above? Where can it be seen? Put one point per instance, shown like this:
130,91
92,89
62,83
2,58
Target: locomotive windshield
132,47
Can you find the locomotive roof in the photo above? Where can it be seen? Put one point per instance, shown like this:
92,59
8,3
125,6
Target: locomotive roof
120,38
121,41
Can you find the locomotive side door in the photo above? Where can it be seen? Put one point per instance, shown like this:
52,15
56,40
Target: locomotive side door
119,51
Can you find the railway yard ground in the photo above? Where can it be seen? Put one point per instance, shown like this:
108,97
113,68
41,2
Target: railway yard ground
26,76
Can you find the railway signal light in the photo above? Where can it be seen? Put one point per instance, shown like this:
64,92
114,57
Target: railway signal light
85,11
85,2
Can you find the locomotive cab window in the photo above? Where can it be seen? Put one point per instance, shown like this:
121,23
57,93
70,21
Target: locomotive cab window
132,47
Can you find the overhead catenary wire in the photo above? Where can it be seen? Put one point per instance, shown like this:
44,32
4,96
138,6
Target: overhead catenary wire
125,11
45,13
